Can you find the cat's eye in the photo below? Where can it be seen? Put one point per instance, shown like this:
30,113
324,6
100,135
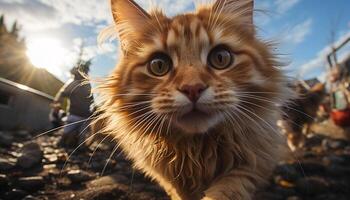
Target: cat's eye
220,57
160,64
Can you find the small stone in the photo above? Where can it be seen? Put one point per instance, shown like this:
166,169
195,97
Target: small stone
333,144
106,193
287,172
313,140
49,150
332,159
145,196
31,183
17,145
100,165
15,194
6,165
312,185
62,157
294,198
23,134
309,154
310,167
138,187
284,191
64,183
3,181
50,166
268,196
31,155
51,158
121,179
104,181
6,139
286,184
154,189
78,176
14,154
30,197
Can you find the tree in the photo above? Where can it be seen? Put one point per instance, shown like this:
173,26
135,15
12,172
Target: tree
82,65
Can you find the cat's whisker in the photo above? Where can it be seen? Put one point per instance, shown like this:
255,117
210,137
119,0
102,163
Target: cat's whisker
81,144
238,109
131,106
130,121
116,146
150,124
137,123
233,120
137,111
260,97
266,100
96,148
154,162
135,94
264,121
169,124
270,110
86,127
63,126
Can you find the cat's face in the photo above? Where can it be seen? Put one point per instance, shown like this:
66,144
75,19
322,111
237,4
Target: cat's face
194,71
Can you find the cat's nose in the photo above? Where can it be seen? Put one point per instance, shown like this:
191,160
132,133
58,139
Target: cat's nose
193,92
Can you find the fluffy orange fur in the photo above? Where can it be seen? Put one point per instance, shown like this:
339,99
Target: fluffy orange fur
201,118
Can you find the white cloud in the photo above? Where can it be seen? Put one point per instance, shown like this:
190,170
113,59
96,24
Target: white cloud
298,33
31,15
81,11
40,17
285,5
171,7
320,62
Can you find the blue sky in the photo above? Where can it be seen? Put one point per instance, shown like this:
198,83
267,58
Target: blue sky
301,27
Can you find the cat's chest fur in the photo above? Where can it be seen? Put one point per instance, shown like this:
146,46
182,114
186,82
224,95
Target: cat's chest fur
188,166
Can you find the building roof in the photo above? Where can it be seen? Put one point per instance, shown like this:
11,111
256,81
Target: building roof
25,88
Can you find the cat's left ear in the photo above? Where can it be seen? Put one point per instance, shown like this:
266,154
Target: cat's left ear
129,17
244,8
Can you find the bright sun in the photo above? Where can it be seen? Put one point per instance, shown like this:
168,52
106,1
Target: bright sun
46,53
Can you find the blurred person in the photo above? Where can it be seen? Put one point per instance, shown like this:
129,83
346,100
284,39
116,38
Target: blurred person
56,115
79,108
340,96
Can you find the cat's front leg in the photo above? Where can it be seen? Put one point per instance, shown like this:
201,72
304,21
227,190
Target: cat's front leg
239,184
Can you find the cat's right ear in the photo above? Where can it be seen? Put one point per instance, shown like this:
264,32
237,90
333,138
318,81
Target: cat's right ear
129,18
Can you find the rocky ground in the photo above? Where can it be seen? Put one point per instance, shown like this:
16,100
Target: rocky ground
36,168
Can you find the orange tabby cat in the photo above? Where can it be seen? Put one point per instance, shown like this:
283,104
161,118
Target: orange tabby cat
193,101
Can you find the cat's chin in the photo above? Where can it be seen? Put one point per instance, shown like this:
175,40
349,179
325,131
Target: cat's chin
197,122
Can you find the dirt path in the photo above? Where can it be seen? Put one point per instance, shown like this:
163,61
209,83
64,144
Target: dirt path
39,170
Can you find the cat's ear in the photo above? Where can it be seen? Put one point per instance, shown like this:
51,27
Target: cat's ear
129,18
244,8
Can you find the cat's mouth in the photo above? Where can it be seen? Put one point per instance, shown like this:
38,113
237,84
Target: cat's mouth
194,115
196,121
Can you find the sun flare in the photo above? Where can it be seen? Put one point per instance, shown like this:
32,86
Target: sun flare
46,53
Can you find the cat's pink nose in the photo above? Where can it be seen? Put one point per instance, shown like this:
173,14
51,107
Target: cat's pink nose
193,92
